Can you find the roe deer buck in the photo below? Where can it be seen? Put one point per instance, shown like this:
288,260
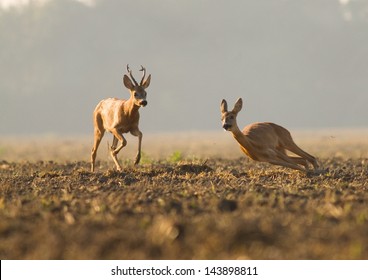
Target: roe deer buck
120,116
265,141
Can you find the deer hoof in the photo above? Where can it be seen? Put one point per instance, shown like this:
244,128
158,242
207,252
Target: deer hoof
137,159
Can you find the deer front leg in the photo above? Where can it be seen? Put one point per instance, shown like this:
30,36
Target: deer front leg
114,143
138,133
114,151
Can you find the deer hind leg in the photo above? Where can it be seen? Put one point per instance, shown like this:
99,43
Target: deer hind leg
286,164
300,160
284,160
296,160
99,131
118,136
139,134
277,157
291,146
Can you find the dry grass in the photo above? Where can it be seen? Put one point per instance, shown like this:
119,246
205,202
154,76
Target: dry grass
206,201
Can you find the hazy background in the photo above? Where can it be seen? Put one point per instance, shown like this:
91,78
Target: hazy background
302,64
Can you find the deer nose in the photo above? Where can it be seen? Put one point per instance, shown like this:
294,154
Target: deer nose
144,103
226,126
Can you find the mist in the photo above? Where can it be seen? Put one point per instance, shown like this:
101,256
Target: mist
302,64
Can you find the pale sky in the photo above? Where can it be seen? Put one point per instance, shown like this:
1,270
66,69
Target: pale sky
302,64
8,4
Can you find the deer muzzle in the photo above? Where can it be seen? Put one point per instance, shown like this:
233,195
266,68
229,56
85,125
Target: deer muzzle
143,103
226,126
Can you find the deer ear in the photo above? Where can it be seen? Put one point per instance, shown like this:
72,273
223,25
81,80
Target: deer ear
238,105
147,82
223,106
128,82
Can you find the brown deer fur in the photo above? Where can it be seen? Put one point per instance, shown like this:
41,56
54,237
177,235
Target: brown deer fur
266,142
120,116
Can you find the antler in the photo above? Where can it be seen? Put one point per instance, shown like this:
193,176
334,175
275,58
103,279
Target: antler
131,75
144,74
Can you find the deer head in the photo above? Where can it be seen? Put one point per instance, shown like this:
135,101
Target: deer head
229,118
137,91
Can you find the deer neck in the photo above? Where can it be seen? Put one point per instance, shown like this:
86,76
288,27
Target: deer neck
130,108
240,137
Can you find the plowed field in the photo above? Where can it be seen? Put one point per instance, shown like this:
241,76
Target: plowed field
183,208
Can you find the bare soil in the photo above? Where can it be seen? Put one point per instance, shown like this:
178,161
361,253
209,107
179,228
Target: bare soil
180,208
